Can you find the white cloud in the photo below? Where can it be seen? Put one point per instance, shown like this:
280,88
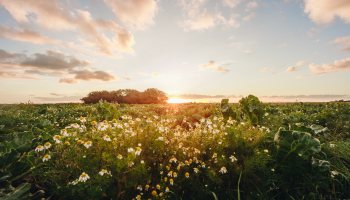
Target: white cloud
232,3
134,13
212,65
55,16
336,66
198,15
297,66
344,42
325,11
25,36
250,6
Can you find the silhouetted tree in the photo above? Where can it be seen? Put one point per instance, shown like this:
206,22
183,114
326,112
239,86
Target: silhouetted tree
128,96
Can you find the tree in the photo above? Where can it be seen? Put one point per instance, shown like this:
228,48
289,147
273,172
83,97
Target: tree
128,96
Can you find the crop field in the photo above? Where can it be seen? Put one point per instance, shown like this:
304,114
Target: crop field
248,150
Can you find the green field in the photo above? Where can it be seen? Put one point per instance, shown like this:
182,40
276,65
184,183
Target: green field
249,150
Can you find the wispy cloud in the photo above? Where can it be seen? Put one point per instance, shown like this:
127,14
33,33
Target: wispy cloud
325,11
56,16
212,65
200,15
344,42
25,35
297,66
336,66
134,13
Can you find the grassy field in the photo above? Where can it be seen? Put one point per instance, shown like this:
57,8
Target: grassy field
248,150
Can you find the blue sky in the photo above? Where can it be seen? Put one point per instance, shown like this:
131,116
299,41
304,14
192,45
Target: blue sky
52,51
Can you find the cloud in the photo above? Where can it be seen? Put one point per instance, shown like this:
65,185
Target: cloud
344,42
52,60
336,66
232,3
134,13
252,5
216,67
87,75
296,67
55,94
325,11
104,35
25,36
93,75
68,80
198,15
50,63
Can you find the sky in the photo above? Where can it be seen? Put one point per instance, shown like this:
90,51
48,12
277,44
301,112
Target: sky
278,50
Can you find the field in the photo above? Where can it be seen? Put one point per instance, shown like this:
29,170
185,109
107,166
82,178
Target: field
248,150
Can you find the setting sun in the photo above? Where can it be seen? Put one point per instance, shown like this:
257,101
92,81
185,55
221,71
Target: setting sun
177,100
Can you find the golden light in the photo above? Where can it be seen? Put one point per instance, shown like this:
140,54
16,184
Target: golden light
177,100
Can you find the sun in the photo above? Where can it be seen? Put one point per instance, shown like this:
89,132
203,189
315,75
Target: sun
177,100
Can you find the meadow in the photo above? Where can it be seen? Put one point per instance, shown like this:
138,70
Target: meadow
246,150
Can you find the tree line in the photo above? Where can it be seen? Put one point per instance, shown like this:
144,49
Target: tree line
127,96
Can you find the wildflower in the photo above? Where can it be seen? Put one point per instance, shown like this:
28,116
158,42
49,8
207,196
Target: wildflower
73,182
334,173
223,170
233,158
196,170
139,187
39,148
146,187
57,138
173,159
64,132
171,181
272,169
174,174
187,175
167,189
106,138
47,145
138,151
170,173
158,186
83,177
331,145
154,193
215,155
142,162
46,157
130,150
82,119
130,164
67,143
266,151
87,144
160,138
104,171
138,197
119,156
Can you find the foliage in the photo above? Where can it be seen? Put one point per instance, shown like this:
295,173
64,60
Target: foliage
252,108
292,151
128,96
